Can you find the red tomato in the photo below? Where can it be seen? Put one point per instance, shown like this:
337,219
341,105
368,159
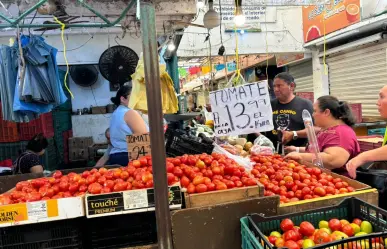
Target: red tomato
184,181
57,174
211,186
95,188
143,161
348,230
170,167
120,186
286,225
198,180
171,178
320,191
106,190
201,188
291,235
91,179
272,239
191,188
357,221
33,196
321,237
136,163
82,188
74,187
291,244
335,225
306,228
101,180
124,175
221,186
64,186
177,172
148,184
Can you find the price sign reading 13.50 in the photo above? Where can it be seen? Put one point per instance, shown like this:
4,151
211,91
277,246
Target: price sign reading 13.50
242,110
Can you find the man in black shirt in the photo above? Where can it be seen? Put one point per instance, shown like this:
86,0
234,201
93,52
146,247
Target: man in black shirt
287,113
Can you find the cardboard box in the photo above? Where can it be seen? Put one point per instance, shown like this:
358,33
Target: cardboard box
80,142
41,211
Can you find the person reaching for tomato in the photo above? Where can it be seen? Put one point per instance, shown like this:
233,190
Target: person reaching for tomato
337,141
375,155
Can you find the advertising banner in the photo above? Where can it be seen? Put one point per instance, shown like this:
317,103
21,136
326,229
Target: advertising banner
334,16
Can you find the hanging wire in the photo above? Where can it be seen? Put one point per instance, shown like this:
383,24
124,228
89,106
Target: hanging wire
63,26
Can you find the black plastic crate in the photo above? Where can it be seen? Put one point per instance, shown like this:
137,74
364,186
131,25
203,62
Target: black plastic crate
66,234
178,143
348,209
120,231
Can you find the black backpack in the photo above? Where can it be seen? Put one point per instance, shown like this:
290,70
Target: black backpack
375,175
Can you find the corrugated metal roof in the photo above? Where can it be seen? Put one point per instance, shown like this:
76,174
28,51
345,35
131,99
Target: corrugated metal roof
303,75
357,76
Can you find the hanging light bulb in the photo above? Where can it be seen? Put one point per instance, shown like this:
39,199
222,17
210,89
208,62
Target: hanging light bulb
212,18
171,46
200,4
239,18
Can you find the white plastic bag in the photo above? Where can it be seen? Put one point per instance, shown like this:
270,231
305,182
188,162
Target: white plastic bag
261,150
261,140
244,162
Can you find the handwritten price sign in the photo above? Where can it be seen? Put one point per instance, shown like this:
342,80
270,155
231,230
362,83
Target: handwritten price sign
242,110
138,146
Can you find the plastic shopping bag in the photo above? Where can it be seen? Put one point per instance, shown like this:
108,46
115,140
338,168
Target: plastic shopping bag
244,162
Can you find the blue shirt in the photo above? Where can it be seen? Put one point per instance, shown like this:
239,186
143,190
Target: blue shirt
119,129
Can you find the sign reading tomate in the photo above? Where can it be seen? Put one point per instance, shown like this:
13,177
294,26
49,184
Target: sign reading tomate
242,110
336,15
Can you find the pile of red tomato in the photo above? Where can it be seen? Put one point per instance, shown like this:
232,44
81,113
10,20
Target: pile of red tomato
196,173
294,182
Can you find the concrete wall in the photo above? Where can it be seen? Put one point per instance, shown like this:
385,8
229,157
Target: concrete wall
285,35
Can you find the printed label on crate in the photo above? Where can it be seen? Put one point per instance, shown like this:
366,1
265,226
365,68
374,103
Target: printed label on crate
138,146
129,201
106,203
13,213
136,199
37,209
242,109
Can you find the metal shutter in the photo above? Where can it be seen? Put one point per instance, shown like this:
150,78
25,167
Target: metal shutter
356,76
303,75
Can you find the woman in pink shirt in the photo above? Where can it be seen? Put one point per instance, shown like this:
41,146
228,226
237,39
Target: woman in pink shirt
336,141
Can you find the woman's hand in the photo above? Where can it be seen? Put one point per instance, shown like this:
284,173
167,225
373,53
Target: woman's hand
289,149
294,156
353,164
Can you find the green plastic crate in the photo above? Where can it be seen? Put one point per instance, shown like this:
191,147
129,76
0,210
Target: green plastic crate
50,157
255,227
62,121
11,150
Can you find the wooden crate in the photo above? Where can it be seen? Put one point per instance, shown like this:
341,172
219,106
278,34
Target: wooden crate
358,186
222,196
370,196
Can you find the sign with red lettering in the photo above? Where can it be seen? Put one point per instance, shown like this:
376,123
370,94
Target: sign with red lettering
242,109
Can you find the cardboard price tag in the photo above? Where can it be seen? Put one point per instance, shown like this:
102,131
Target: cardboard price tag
242,110
138,146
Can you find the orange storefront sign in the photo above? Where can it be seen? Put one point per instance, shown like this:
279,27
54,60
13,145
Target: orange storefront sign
337,15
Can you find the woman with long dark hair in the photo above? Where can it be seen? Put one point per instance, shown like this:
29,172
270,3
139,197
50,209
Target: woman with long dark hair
337,141
124,121
29,161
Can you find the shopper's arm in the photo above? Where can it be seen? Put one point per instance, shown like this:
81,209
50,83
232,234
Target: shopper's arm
332,158
135,122
375,155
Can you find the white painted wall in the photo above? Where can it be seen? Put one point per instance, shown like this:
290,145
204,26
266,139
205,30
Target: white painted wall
283,36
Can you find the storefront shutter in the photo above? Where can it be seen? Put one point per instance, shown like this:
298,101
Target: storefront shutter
357,75
303,75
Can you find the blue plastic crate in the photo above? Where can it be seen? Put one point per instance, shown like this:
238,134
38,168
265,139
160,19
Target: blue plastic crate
378,131
248,239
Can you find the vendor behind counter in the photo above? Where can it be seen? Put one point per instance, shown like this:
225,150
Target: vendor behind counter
124,121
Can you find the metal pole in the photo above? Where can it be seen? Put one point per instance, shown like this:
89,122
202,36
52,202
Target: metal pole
153,93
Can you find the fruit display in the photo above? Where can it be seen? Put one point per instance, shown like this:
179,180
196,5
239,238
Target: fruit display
306,235
238,146
196,173
203,173
294,182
